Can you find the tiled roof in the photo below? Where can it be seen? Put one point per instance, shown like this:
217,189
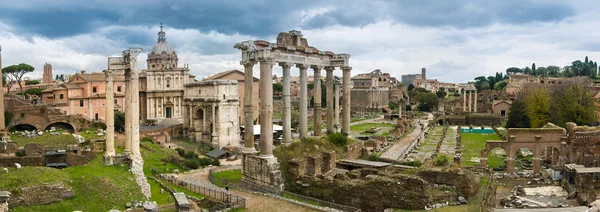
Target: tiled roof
225,73
97,77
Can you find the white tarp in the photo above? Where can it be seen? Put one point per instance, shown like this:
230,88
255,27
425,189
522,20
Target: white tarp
275,129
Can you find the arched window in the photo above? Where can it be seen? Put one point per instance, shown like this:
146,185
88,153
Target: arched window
96,117
168,83
200,114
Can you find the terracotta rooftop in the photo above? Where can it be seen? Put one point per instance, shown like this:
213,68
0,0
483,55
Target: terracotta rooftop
225,73
97,77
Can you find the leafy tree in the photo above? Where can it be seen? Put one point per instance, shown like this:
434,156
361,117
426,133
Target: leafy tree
427,101
410,87
393,105
421,90
441,94
500,85
277,87
16,72
513,70
527,70
7,79
533,68
32,82
517,117
573,104
338,139
537,104
491,81
119,121
34,91
553,71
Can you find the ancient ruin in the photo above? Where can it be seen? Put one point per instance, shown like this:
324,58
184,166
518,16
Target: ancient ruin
291,49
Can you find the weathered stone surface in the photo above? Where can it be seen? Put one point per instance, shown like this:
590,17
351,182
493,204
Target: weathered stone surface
39,195
466,182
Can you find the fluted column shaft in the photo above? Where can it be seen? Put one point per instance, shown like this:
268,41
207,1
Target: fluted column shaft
110,113
287,104
303,119
248,108
317,101
266,109
475,102
135,95
346,99
336,116
464,100
330,98
470,103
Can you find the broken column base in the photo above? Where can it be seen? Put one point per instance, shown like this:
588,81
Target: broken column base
4,197
109,159
117,159
261,174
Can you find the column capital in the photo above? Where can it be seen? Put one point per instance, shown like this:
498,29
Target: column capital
329,68
267,60
286,65
302,66
248,63
347,68
109,73
316,67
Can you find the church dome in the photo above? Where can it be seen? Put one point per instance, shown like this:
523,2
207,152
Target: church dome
162,45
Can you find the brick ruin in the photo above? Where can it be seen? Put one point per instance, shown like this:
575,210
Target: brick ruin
37,155
318,176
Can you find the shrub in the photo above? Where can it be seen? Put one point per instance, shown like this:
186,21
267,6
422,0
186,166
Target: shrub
191,163
21,153
146,139
338,139
190,155
205,161
216,162
373,157
411,163
441,160
180,151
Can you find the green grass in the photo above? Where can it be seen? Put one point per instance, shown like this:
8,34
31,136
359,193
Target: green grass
92,135
30,176
46,140
473,143
368,126
232,176
97,187
357,119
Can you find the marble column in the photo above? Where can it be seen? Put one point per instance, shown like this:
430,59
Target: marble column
336,115
475,102
135,96
329,98
287,104
2,125
266,108
110,117
317,101
469,102
248,108
128,112
464,100
346,99
303,119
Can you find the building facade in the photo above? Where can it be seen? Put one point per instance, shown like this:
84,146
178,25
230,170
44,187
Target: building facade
162,83
211,110
239,77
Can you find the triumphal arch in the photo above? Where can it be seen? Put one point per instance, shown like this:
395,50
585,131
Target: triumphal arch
290,50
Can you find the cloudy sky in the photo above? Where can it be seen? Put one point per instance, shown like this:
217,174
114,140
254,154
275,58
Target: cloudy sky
456,40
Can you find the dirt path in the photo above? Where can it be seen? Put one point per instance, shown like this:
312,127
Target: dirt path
396,151
255,202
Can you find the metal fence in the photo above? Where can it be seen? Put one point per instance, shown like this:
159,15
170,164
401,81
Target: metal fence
317,202
229,199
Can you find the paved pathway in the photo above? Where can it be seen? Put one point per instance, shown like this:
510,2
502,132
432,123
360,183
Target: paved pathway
396,151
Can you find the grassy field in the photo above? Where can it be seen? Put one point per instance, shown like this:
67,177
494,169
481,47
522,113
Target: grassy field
46,139
473,143
368,126
97,187
232,176
92,135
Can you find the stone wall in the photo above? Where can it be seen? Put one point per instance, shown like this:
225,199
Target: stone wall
24,161
33,149
77,160
11,148
371,100
466,183
39,195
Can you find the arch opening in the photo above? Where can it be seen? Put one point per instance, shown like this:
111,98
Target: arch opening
524,159
23,127
497,159
61,126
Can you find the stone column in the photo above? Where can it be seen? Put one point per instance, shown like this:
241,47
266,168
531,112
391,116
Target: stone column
287,104
303,119
346,100
336,115
330,99
248,108
475,102
465,100
128,111
317,101
135,96
266,109
2,125
110,118
469,102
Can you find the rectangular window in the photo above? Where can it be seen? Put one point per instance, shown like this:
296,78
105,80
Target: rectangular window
62,96
94,89
115,101
81,103
118,88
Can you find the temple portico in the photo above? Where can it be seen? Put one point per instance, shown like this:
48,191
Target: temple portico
290,50
469,98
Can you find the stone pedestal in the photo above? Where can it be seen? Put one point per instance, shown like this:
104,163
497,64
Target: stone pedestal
264,172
